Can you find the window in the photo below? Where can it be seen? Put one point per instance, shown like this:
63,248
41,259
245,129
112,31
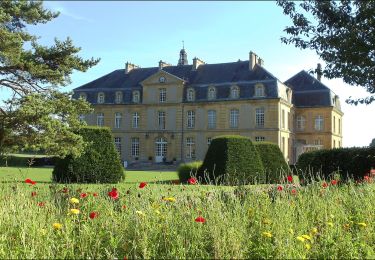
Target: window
259,90
334,124
317,142
301,121
136,96
319,123
211,119
339,144
118,97
211,93
334,143
283,119
162,95
101,98
209,140
234,92
233,120
81,117
190,94
135,147
190,119
135,120
259,138
259,117
339,125
118,144
100,119
283,145
118,120
190,150
83,96
161,120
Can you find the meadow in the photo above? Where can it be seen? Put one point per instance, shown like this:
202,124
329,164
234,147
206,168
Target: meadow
150,216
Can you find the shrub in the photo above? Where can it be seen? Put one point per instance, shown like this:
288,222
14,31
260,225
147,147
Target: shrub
273,161
231,159
348,162
99,163
26,161
187,170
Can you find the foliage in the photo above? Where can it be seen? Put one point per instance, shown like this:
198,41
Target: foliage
188,170
99,163
273,161
231,159
342,34
45,121
24,161
348,162
372,144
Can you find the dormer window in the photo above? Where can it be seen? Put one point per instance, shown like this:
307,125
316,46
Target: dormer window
211,95
83,96
136,96
101,98
234,92
190,94
118,98
259,90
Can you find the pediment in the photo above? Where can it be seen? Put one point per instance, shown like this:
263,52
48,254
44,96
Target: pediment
161,75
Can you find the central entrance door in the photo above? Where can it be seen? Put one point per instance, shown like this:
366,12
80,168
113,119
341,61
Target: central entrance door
160,149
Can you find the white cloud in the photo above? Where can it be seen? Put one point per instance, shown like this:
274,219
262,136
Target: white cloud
58,7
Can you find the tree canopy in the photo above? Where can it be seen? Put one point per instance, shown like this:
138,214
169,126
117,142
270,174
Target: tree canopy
342,33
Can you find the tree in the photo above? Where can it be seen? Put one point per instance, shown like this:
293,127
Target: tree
26,68
342,33
372,144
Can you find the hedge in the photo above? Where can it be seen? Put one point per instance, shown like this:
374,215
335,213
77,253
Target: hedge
231,159
24,161
352,163
274,163
99,163
188,170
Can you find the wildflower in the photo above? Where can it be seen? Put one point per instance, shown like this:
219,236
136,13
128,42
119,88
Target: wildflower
200,219
346,226
314,231
95,194
74,201
362,224
157,212
113,194
29,181
291,231
279,188
33,194
266,221
324,185
93,215
57,226
123,206
267,234
300,238
142,185
334,182
307,237
41,204
308,246
290,178
330,224
294,191
74,211
169,199
192,181
140,213
83,195
65,190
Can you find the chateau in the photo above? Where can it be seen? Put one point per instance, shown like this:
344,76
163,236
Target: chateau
172,112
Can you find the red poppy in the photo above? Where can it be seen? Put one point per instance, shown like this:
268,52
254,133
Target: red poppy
334,182
41,204
325,185
113,194
33,194
192,181
65,190
124,206
200,219
83,195
279,188
29,181
95,194
290,178
142,185
93,215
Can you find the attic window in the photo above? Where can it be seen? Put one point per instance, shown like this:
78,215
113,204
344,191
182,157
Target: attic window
211,93
101,97
136,96
118,97
234,92
190,94
259,90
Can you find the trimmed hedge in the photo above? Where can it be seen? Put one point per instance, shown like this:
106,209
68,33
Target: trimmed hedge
99,163
22,161
352,163
274,164
231,159
188,170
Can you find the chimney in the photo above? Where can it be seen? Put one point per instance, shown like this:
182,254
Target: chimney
197,62
163,64
319,72
252,60
129,67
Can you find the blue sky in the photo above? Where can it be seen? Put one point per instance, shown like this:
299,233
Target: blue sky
145,32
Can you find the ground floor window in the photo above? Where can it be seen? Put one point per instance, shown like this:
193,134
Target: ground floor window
259,138
118,144
190,148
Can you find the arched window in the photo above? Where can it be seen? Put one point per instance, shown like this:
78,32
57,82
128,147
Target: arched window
83,96
118,97
211,93
234,92
259,90
190,94
101,97
136,96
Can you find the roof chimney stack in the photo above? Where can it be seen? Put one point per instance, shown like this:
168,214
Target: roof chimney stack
197,62
129,67
254,59
319,72
163,64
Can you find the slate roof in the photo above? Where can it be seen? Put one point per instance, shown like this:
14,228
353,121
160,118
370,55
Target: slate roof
309,92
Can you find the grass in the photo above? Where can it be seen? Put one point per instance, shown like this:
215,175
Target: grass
158,221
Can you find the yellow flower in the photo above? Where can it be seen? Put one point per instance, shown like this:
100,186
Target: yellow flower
267,234
314,231
308,246
307,237
74,201
169,199
157,212
57,226
362,224
291,231
140,213
330,224
74,211
300,238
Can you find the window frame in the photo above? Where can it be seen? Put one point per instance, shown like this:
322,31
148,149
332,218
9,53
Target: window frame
259,117
118,119
234,92
101,98
100,119
190,147
136,96
319,123
234,118
259,90
135,120
190,94
211,93
190,123
117,141
118,97
162,120
211,119
135,147
162,95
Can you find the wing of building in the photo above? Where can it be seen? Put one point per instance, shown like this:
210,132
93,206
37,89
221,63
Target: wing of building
171,113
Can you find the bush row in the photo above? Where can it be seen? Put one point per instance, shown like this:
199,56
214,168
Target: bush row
22,161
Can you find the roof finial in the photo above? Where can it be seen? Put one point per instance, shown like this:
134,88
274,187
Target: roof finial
183,44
